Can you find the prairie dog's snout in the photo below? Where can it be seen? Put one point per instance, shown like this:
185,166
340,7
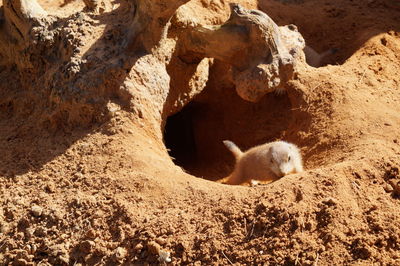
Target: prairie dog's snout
264,162
285,158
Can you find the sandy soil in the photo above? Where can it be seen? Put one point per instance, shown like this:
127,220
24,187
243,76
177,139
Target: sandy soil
109,193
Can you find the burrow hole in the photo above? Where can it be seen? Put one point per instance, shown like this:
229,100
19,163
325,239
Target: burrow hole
194,135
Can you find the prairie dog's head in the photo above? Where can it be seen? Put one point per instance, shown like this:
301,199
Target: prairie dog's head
284,158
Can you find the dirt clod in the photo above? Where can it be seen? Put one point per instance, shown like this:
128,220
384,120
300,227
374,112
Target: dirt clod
153,247
86,246
36,210
120,254
388,188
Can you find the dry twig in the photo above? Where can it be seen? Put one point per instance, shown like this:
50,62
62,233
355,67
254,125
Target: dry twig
227,258
362,77
297,259
316,260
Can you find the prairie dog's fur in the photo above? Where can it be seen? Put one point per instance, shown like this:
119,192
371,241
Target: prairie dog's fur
237,153
315,59
264,162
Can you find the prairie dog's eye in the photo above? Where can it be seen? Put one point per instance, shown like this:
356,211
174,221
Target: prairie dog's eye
272,160
288,158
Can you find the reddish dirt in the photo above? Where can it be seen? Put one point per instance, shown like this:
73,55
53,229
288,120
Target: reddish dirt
109,193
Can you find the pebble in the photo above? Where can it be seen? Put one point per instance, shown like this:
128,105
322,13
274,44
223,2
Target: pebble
153,247
330,201
164,256
50,188
396,186
254,183
161,241
120,253
36,210
64,259
3,228
91,233
29,232
138,247
388,188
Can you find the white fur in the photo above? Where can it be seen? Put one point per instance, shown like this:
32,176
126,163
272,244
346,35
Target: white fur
266,162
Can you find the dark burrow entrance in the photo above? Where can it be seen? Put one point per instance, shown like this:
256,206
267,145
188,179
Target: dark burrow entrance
194,135
179,137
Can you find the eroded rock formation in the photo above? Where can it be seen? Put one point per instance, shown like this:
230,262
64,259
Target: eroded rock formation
45,49
252,44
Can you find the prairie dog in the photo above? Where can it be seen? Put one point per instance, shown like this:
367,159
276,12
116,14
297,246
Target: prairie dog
264,162
315,59
293,39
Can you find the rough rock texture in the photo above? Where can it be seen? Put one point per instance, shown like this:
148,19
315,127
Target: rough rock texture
85,177
252,44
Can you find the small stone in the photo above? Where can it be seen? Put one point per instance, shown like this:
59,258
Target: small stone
10,213
161,241
138,247
396,186
50,188
254,183
285,216
153,247
36,210
91,234
164,256
330,201
150,235
120,254
388,188
299,194
3,228
20,235
29,232
64,258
